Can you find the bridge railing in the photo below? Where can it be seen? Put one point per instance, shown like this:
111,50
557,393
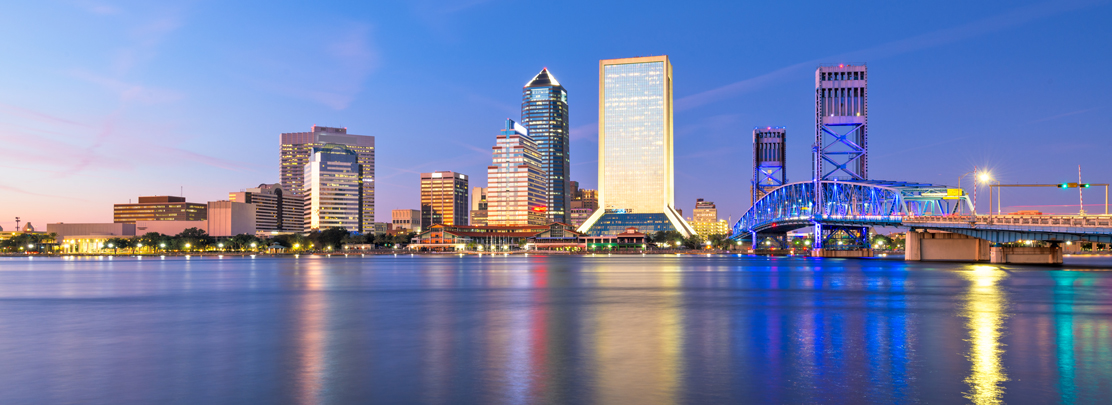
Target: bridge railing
1017,220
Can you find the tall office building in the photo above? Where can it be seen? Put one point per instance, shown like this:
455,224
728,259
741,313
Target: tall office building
333,190
276,210
768,161
544,112
443,199
296,151
159,208
479,206
841,123
516,192
635,149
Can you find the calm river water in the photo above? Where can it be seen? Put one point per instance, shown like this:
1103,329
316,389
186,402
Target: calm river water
579,330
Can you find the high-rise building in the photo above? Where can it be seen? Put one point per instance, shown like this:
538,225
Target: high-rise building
544,112
515,182
159,208
841,123
296,151
443,199
407,219
635,160
276,210
479,206
769,153
333,190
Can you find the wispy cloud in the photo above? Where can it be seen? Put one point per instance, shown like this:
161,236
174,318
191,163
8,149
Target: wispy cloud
585,132
332,74
437,14
973,29
96,7
25,192
1065,115
128,92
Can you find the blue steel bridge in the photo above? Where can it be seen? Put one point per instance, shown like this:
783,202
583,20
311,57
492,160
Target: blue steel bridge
844,210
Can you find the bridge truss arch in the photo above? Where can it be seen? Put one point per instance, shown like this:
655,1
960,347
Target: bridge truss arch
856,203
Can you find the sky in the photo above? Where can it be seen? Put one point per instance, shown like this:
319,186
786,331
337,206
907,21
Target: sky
105,101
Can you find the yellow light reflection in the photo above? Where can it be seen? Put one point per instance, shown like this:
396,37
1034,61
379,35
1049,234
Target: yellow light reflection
638,345
312,336
984,313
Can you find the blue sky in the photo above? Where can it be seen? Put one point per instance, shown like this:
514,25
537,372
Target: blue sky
104,101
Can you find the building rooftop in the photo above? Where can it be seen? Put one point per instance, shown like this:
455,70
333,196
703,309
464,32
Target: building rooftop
543,79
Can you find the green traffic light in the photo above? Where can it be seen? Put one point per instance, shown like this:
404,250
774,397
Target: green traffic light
1064,185
1085,185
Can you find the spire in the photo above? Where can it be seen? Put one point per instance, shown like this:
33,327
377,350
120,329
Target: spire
543,79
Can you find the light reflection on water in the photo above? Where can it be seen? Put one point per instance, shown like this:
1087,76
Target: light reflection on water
985,314
515,330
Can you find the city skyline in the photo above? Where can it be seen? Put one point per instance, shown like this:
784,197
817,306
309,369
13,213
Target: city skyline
103,126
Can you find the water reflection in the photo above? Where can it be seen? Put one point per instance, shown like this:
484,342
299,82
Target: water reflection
638,339
984,314
311,338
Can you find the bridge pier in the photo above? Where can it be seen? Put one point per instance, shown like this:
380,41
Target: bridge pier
1027,255
943,246
841,253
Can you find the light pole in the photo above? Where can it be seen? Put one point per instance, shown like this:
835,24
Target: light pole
983,177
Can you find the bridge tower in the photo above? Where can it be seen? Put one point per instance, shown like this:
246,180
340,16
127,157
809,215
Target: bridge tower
768,161
841,148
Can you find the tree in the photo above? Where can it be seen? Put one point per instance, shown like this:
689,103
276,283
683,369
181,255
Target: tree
196,239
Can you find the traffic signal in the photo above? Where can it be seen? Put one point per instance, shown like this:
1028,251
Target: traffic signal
1074,185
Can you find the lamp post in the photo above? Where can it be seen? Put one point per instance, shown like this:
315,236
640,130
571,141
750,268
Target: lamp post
983,177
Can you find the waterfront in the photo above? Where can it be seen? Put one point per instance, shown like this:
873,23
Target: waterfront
580,329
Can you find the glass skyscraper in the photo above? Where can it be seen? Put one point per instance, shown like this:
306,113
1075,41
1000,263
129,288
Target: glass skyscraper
544,113
635,148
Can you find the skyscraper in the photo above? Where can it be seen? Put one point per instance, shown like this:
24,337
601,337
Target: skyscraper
544,112
841,123
768,161
515,182
333,190
296,151
443,199
635,148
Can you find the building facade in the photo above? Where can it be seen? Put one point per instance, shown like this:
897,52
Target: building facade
544,113
635,164
159,208
841,123
704,211
333,190
443,199
515,181
230,218
406,219
579,215
275,209
479,206
769,162
296,150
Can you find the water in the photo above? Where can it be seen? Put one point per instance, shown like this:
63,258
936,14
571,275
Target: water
608,330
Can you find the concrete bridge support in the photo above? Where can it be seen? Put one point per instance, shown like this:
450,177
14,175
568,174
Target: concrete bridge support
841,253
1027,255
942,246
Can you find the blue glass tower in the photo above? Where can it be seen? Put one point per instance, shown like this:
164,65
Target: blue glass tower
544,112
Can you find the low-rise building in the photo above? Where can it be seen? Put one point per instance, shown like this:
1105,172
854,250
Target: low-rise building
229,218
406,219
630,239
168,227
159,208
441,237
276,210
